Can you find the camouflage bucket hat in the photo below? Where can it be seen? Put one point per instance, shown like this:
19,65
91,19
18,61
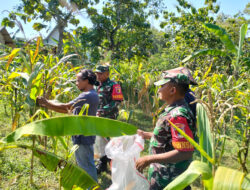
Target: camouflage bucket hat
180,75
101,68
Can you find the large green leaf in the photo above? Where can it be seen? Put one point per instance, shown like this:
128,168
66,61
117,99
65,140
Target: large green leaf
246,183
204,132
71,175
73,125
224,37
227,179
194,171
204,52
243,32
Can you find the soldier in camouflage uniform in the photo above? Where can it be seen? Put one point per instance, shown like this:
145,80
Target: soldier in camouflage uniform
170,153
110,96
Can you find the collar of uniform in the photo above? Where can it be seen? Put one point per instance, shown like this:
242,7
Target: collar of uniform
175,104
105,82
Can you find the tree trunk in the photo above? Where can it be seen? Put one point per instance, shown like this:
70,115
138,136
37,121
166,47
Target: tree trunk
60,41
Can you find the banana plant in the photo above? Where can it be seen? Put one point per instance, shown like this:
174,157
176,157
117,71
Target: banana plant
230,47
66,126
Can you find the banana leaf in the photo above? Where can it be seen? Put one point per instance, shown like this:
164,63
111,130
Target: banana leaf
246,183
194,171
204,133
204,52
73,125
227,179
224,37
71,175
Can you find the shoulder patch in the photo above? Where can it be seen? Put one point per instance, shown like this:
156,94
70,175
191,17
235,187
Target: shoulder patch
178,141
117,92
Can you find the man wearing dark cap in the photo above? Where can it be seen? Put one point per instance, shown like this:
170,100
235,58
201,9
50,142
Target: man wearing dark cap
110,95
170,153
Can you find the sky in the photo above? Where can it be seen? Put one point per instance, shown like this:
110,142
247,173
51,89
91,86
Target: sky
228,7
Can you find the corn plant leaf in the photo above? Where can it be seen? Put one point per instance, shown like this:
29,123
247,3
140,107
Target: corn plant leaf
26,65
10,57
243,32
204,132
15,121
22,75
73,125
37,50
246,183
13,75
195,170
214,52
62,60
195,144
222,34
227,179
208,71
72,150
65,146
38,67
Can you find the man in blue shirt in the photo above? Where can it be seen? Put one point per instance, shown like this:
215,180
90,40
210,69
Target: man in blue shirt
86,79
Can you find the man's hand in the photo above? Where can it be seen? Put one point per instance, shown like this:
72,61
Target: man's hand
141,133
144,134
100,112
142,163
41,101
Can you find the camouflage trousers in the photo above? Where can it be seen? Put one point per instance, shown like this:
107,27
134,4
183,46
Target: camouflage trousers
160,175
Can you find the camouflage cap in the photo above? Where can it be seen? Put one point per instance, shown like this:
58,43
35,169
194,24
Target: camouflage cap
180,75
101,68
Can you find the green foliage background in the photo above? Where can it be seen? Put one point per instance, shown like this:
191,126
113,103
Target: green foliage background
210,45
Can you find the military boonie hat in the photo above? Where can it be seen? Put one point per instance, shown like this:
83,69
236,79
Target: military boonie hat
101,68
180,75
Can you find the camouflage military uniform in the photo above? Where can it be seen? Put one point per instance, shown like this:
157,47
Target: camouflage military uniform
110,97
166,138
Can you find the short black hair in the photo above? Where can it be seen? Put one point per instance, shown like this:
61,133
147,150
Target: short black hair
182,88
90,75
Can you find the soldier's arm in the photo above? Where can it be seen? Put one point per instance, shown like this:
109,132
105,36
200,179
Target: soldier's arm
109,108
144,134
173,156
183,150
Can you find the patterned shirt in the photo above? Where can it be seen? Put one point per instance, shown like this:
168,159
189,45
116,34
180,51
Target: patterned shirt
110,96
165,138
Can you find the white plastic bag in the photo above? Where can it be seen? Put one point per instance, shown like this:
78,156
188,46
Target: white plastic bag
124,151
99,147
